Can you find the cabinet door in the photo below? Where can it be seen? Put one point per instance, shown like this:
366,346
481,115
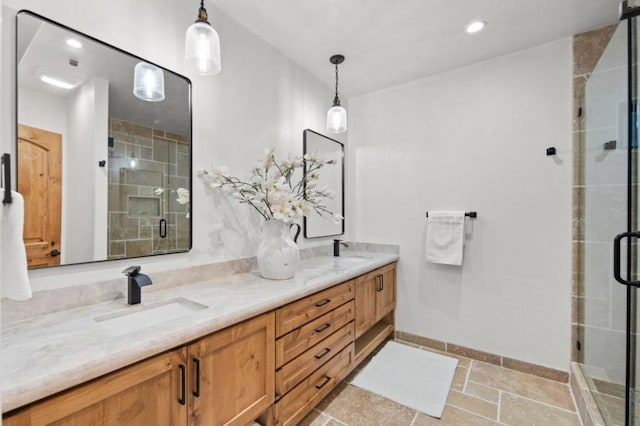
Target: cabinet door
231,380
147,393
386,291
365,303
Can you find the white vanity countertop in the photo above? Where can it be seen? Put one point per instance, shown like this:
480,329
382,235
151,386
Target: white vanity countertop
45,355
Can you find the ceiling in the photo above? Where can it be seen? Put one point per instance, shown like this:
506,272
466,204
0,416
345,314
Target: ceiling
392,42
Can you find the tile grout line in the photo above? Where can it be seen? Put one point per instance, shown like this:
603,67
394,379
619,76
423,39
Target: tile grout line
575,403
499,413
531,399
466,379
330,418
415,417
479,397
466,410
540,402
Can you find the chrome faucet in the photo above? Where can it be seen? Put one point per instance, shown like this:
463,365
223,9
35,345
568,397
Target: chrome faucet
336,247
136,281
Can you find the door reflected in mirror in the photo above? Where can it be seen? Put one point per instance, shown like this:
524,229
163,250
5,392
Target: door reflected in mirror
104,174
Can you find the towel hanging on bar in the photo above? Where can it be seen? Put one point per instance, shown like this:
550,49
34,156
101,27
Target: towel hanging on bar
445,237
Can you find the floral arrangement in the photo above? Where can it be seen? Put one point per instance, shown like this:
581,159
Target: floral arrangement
184,197
272,189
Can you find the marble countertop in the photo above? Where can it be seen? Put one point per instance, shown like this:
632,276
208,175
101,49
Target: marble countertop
53,352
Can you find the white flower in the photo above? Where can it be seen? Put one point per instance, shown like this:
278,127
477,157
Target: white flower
337,217
268,158
312,157
282,210
221,172
301,207
159,191
183,195
277,190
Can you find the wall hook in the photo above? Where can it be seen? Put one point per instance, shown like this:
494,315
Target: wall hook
551,150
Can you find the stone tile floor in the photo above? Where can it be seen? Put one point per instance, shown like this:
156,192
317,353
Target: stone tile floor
481,394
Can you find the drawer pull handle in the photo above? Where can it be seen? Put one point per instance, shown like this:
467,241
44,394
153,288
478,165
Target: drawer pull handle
196,389
322,302
327,379
323,353
379,282
322,328
183,384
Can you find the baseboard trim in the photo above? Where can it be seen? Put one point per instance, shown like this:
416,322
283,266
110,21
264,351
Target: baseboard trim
499,360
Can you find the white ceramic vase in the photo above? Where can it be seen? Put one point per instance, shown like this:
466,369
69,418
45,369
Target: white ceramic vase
278,252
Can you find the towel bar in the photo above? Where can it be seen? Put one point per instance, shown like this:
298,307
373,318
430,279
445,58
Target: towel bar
6,166
467,214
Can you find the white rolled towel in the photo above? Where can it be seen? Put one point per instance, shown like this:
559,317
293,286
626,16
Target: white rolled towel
445,237
14,276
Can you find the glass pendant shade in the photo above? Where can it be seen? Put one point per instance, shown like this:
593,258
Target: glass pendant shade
148,82
202,48
337,119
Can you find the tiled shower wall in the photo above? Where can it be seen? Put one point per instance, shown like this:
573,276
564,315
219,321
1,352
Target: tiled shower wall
135,206
599,201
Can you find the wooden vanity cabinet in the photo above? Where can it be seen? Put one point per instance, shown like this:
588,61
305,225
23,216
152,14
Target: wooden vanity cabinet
314,350
375,297
225,378
232,380
146,393
279,365
375,308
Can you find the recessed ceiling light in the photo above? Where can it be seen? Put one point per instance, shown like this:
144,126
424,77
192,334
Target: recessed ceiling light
475,26
74,43
55,82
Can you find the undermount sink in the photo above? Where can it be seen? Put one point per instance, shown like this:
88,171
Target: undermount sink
148,315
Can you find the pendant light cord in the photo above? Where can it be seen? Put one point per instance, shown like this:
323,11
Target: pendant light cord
336,100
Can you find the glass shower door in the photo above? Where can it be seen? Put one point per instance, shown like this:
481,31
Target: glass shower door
608,204
625,247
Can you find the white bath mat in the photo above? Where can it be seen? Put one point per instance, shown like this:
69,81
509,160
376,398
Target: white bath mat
412,377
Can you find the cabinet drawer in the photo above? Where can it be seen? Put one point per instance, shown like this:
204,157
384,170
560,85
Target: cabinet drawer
298,369
302,338
380,271
300,401
304,310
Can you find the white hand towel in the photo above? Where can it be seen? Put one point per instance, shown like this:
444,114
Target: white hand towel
13,259
445,237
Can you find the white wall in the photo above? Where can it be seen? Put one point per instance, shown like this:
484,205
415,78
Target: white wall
84,189
43,111
260,99
475,139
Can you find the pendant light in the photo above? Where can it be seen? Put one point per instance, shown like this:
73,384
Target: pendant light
148,82
337,115
202,45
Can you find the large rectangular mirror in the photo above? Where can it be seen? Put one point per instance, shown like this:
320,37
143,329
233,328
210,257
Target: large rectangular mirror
316,226
105,173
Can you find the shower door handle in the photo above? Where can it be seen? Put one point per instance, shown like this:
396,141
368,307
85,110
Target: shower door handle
162,228
616,257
